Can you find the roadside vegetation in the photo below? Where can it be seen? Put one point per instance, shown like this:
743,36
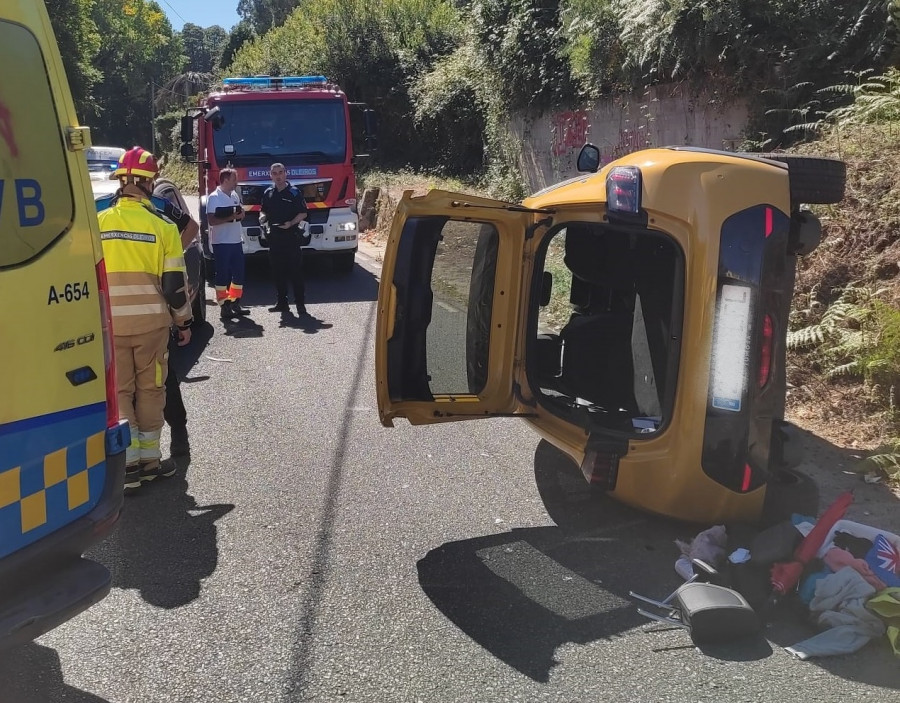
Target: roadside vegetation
844,348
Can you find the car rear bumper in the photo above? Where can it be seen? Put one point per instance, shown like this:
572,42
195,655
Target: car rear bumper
49,582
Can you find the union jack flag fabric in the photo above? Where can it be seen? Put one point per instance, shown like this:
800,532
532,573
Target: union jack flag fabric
884,559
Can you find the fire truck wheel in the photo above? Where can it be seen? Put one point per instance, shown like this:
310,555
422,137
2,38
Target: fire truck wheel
344,262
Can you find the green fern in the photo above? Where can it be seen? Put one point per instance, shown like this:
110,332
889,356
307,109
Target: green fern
888,463
858,336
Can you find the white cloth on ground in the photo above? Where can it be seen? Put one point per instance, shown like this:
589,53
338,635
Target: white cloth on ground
840,605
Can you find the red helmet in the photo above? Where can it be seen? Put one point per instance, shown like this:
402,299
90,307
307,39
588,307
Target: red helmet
137,162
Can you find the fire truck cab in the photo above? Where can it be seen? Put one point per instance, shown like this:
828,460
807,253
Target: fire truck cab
303,122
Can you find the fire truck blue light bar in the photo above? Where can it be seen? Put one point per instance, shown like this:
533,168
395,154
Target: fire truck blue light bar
271,81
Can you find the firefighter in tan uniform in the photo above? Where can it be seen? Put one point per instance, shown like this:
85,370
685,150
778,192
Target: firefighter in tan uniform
148,289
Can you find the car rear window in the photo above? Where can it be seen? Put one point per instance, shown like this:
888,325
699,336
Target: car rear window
36,202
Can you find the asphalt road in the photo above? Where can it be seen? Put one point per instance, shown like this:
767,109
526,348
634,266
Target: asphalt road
310,554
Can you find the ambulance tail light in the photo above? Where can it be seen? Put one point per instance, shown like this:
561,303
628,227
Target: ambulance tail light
109,353
765,354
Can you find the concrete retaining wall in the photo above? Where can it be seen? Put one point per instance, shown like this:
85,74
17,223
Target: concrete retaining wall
548,144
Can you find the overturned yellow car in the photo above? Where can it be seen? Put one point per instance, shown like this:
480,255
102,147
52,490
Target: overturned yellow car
635,316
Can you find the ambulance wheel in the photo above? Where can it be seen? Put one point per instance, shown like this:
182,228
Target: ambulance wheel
344,262
789,491
814,180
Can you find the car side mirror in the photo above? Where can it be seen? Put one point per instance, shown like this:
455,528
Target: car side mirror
187,128
215,118
589,159
546,288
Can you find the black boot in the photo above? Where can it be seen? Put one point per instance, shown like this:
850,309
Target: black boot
226,312
280,306
236,308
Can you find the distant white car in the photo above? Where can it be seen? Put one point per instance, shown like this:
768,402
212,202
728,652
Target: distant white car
102,162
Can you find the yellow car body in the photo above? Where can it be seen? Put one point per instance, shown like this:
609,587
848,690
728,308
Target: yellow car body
636,317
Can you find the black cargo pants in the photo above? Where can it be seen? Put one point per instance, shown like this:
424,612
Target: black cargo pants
286,256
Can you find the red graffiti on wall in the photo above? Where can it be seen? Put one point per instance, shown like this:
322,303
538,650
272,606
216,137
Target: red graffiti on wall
6,130
570,129
629,140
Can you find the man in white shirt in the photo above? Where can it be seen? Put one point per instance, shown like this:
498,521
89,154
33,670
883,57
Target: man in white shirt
224,214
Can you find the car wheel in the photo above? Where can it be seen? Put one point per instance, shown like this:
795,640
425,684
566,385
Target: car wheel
787,445
344,262
787,492
209,271
199,305
814,180
570,501
805,234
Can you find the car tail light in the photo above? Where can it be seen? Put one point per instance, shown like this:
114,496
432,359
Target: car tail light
748,475
109,352
765,354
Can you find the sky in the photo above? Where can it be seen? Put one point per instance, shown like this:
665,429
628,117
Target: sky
205,13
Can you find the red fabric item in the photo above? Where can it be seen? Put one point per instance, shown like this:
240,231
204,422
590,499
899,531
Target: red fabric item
785,575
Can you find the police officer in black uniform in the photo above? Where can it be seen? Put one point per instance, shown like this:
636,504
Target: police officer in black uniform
284,209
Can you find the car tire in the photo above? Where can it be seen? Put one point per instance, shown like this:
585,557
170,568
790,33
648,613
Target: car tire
787,450
814,180
198,307
789,491
344,262
570,501
209,270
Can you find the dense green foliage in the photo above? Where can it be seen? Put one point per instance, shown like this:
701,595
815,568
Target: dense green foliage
79,42
263,15
203,47
444,76
376,50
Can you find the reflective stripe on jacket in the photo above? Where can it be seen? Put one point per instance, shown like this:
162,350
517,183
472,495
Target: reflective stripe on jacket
145,268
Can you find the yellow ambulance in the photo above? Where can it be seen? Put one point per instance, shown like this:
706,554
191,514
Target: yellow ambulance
62,446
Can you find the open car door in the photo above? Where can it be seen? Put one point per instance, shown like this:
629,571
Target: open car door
448,309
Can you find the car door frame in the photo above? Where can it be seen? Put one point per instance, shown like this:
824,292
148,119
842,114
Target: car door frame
403,292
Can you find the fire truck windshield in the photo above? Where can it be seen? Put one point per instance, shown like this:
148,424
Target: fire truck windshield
303,131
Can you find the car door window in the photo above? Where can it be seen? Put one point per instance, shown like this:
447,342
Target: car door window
457,342
36,202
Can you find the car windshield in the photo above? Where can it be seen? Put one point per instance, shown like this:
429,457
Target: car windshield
296,131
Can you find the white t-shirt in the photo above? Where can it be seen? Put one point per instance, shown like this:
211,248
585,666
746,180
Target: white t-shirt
230,232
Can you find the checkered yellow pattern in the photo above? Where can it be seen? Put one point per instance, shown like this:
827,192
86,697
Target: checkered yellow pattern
62,475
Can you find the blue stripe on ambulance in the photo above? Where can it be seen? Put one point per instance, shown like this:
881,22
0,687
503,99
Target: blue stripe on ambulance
52,472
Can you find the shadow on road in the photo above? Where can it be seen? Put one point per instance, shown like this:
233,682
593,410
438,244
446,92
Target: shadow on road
522,594
183,359
33,674
165,544
322,283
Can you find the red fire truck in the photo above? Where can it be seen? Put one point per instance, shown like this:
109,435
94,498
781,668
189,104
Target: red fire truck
303,122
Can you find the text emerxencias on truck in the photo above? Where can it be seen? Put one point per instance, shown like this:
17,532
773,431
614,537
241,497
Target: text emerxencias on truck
303,122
